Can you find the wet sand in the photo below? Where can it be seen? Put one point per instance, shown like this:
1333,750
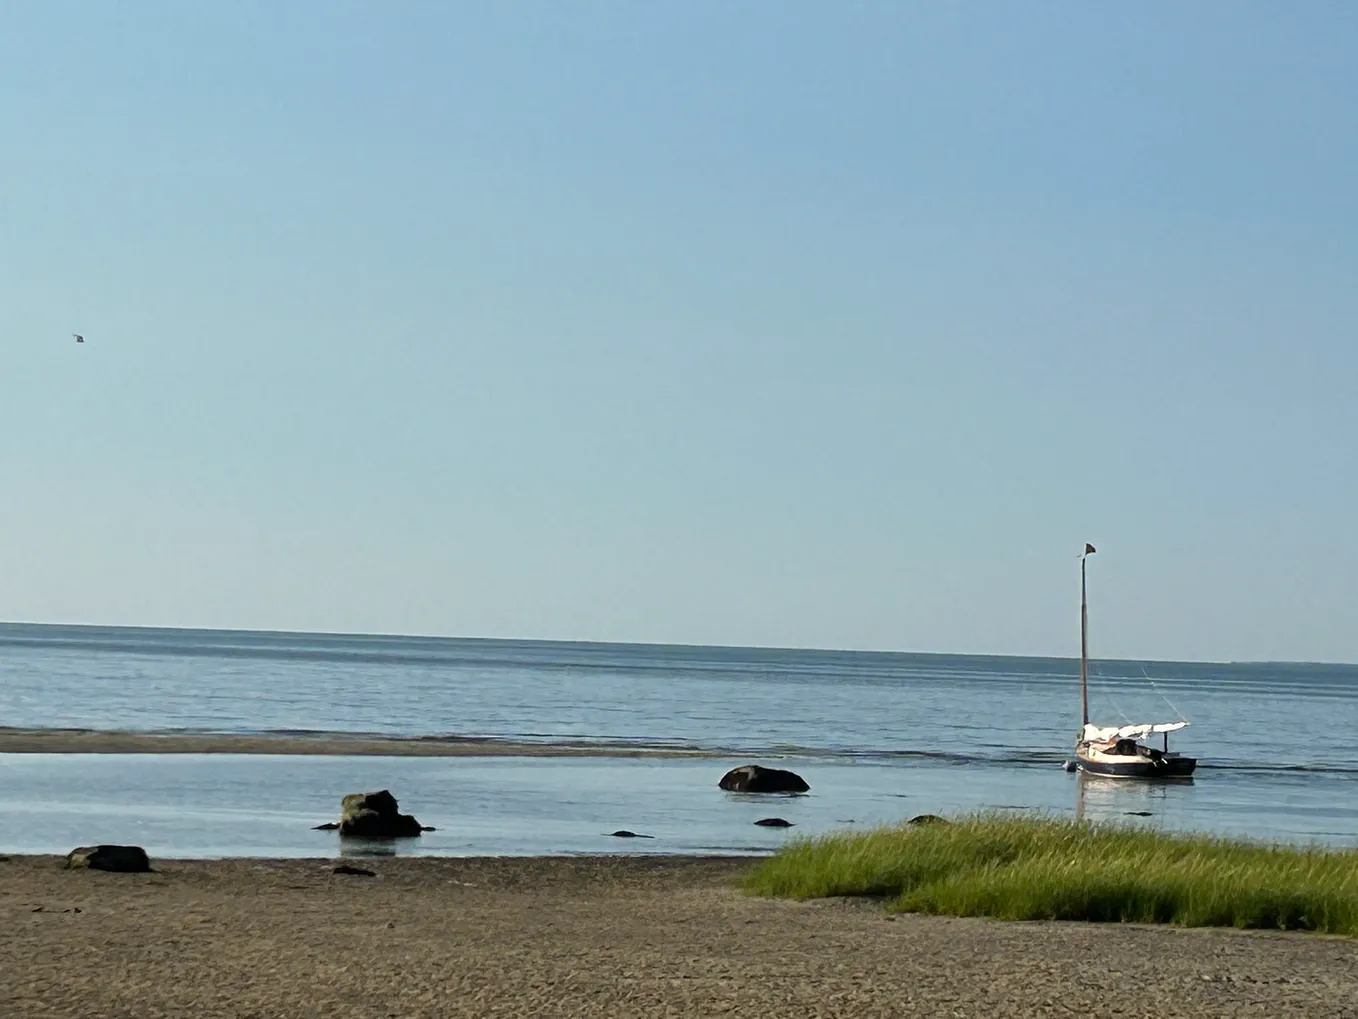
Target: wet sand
595,936
96,741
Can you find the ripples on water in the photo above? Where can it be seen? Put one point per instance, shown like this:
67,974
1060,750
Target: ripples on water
1278,743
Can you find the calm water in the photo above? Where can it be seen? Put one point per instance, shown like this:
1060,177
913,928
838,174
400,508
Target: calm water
879,737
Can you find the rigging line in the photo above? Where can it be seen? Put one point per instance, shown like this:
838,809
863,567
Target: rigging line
1116,706
1172,706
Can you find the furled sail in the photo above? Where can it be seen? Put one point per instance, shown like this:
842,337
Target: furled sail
1112,733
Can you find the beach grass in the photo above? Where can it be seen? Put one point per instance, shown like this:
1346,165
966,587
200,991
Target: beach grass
1026,868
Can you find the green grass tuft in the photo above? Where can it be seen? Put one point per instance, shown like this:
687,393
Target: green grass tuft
1017,868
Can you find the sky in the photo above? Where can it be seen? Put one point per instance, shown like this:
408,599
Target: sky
778,323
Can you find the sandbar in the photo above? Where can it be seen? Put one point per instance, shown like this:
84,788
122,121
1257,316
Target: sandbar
105,741
595,936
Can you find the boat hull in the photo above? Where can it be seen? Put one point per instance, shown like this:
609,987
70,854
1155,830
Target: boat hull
1167,767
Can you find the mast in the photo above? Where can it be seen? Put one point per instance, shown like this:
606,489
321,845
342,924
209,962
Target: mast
1084,642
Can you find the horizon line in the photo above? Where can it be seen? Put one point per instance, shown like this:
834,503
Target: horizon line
653,643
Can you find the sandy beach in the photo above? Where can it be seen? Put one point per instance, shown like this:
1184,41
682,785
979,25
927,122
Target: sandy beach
104,741
594,936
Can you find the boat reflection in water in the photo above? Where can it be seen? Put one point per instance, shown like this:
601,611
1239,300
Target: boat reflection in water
1101,798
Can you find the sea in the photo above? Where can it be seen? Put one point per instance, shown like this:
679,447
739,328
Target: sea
880,737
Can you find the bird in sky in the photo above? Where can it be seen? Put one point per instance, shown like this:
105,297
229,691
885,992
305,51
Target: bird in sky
78,338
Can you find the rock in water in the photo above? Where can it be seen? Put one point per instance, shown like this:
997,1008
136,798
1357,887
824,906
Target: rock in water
623,833
122,859
380,802
773,822
754,778
926,819
375,815
371,824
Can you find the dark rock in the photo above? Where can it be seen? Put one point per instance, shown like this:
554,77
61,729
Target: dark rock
375,815
371,824
122,859
754,778
328,826
773,822
380,802
927,819
623,833
345,868
1138,813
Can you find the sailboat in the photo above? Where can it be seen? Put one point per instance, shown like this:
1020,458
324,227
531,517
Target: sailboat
1119,751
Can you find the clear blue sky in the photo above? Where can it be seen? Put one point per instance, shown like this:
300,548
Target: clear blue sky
809,324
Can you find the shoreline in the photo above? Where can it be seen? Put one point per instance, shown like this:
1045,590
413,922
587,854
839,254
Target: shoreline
327,744
593,936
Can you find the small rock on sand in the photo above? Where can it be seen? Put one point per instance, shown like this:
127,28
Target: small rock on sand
119,859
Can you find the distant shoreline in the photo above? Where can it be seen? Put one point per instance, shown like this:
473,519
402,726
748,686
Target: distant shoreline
322,744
